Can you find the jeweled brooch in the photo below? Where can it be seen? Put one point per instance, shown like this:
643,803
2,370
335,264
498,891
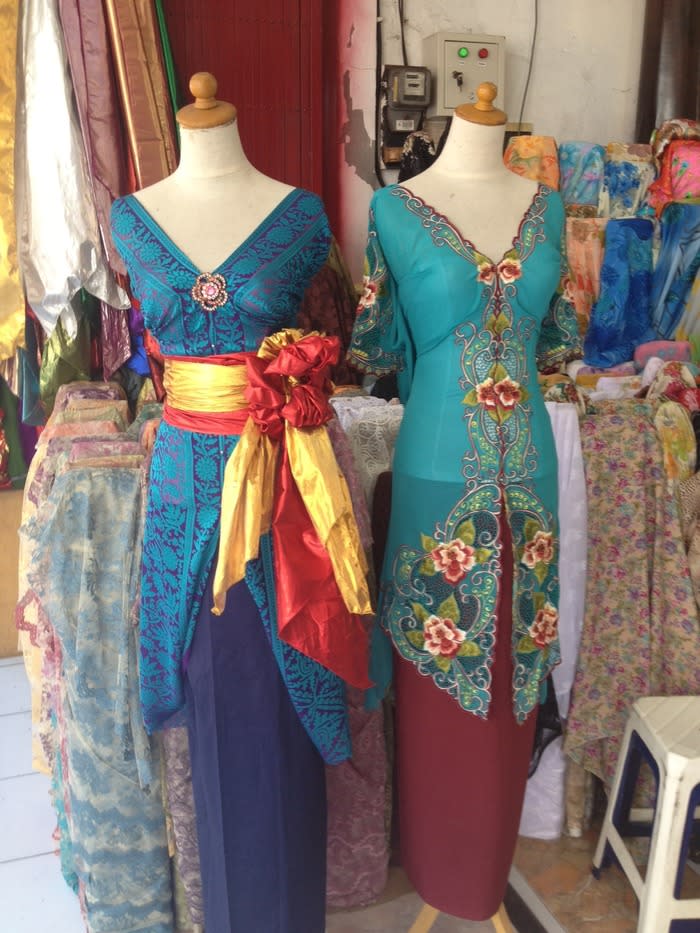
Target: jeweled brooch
209,290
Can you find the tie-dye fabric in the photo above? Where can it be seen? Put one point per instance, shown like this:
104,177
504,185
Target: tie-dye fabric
677,266
534,157
620,319
585,244
581,173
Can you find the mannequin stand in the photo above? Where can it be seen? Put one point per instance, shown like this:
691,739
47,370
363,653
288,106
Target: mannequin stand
428,915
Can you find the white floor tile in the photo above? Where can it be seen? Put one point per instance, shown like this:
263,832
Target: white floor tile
14,689
27,817
36,898
15,745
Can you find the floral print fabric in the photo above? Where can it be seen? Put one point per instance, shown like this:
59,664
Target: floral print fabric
627,173
640,634
679,178
534,157
585,245
620,319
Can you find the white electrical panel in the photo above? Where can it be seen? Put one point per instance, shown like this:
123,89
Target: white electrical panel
459,63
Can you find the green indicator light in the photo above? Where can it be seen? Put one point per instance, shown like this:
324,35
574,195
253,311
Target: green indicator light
463,52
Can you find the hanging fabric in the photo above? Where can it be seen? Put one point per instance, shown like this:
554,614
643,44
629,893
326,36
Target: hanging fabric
60,248
11,295
145,103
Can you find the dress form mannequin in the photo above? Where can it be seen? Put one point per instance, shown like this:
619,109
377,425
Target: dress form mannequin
215,197
469,183
462,261
220,257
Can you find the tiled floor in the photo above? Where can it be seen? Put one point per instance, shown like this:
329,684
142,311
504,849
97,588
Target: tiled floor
34,895
553,878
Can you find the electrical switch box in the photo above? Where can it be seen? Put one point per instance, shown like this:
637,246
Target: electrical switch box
459,63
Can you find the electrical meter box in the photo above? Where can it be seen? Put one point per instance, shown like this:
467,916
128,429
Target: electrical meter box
459,63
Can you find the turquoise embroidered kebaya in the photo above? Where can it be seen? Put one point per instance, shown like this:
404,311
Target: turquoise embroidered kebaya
475,446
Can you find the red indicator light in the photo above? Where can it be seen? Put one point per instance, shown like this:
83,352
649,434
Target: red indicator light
483,53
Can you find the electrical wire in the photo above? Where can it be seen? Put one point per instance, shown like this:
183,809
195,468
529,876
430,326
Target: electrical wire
529,69
378,102
402,31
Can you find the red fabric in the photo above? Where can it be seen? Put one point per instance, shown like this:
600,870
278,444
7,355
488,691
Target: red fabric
311,614
461,781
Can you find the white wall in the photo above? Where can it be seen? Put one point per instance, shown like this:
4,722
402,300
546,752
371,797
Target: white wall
583,84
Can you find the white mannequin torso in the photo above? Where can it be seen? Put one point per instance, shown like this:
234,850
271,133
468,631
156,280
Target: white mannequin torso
214,199
470,185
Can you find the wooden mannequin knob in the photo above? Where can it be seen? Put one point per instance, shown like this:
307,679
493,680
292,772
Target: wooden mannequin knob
206,111
483,110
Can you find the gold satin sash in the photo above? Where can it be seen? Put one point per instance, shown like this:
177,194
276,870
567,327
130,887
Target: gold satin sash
204,387
249,481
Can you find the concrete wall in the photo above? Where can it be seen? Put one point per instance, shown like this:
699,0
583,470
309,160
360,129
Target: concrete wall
583,84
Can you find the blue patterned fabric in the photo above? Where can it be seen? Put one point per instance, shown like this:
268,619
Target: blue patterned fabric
85,570
475,442
677,266
581,172
265,279
621,318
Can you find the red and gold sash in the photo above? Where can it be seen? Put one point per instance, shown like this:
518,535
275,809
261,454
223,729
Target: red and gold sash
283,477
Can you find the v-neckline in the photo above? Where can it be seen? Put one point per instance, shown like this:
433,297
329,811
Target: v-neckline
541,189
167,241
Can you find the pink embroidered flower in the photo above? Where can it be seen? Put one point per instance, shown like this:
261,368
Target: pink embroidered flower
540,549
543,630
369,293
509,270
486,394
453,560
442,637
507,392
486,272
210,291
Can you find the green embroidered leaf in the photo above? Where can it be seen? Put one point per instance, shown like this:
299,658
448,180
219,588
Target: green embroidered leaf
498,372
540,572
506,413
494,414
531,528
449,609
443,663
482,554
417,639
426,568
500,324
420,612
427,543
469,649
466,532
470,398
538,600
526,645
524,394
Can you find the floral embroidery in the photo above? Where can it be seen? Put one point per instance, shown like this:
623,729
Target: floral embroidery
442,637
509,270
540,548
543,630
453,560
210,291
368,298
498,394
486,272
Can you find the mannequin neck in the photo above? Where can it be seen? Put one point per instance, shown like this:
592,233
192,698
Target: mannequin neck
473,149
211,152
